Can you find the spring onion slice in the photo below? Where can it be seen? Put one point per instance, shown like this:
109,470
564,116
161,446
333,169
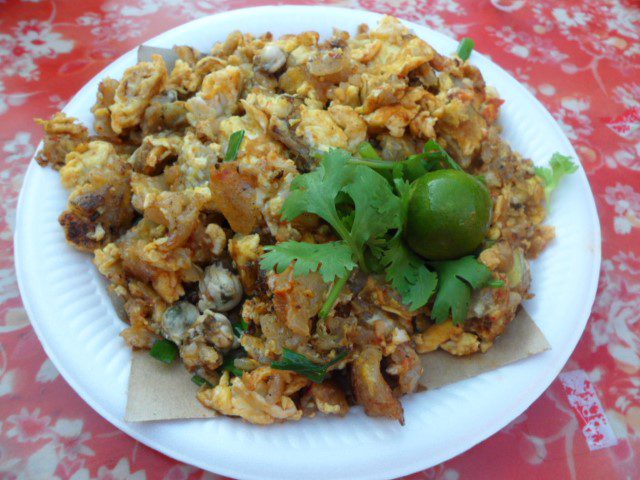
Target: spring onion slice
164,350
198,380
234,145
465,48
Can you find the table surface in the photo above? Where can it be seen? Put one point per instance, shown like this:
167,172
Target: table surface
581,59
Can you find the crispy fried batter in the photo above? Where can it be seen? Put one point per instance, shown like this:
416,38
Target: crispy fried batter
99,208
234,195
297,299
62,135
371,389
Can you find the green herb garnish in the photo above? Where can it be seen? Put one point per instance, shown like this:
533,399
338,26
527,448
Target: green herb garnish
465,48
296,362
164,350
234,145
408,274
366,151
436,152
355,200
331,260
198,380
433,157
559,166
368,212
229,365
456,280
240,328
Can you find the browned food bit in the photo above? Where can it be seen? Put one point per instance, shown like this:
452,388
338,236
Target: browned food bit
371,389
99,208
62,135
297,300
233,193
405,364
155,153
326,397
245,250
101,113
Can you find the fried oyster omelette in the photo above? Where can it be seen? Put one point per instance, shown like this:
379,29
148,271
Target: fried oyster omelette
179,192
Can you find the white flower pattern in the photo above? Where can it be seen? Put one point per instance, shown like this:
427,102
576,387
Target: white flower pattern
29,41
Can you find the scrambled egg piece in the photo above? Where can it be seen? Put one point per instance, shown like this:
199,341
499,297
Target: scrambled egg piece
135,91
262,396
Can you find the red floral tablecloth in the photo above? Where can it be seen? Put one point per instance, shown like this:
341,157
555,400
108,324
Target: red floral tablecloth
580,58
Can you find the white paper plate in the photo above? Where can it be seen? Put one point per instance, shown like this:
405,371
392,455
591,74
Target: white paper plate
78,327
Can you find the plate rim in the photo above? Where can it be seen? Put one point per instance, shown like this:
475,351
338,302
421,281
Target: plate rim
390,470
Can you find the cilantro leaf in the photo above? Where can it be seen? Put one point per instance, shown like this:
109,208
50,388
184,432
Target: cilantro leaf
560,165
375,207
317,191
298,363
408,274
331,260
366,151
435,152
457,278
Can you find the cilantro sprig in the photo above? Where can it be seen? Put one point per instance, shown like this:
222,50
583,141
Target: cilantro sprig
408,274
432,157
358,189
559,166
364,199
357,202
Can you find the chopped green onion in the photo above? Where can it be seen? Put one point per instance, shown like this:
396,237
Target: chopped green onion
465,48
198,380
239,328
295,362
234,145
164,350
229,366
